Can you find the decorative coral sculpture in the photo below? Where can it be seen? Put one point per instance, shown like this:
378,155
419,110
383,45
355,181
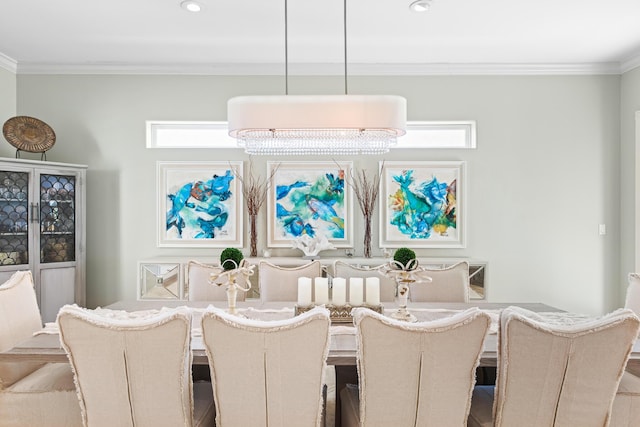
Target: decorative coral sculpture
311,246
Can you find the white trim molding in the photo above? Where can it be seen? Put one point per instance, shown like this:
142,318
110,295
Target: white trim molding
322,69
8,63
630,63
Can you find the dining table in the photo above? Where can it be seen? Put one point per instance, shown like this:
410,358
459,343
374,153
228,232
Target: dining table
45,345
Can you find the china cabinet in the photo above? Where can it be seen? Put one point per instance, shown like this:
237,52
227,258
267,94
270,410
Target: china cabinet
42,229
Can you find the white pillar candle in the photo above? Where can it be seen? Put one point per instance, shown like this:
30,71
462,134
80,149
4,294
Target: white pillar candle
322,290
339,291
373,291
355,291
304,291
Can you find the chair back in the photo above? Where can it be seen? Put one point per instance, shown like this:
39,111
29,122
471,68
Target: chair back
449,284
418,374
281,283
346,270
131,369
200,289
632,300
267,373
19,319
560,375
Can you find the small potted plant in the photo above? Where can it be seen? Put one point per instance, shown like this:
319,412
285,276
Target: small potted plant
231,258
405,259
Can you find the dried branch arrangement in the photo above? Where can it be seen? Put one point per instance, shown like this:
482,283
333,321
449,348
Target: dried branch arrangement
254,190
366,190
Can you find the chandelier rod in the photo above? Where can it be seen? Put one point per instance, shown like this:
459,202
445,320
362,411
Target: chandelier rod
344,15
286,49
286,46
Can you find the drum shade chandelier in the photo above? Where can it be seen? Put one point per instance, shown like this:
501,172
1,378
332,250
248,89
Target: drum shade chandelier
316,124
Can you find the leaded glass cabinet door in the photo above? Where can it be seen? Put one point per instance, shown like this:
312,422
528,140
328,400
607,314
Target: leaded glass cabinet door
58,226
57,214
14,217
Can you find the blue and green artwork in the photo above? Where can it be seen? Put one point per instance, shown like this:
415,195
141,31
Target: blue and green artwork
423,208
199,209
310,202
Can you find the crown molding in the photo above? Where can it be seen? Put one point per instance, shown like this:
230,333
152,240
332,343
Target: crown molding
252,69
630,63
485,69
8,64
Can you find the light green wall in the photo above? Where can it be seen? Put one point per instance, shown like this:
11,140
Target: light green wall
544,175
7,96
629,162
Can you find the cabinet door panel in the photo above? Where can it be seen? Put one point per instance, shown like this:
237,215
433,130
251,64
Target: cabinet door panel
57,218
14,217
57,288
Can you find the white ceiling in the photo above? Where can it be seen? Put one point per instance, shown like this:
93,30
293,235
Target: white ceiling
383,36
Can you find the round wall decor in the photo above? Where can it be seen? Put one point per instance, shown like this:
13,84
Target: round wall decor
29,134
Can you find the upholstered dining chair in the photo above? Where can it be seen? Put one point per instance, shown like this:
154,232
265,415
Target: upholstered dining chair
200,289
632,300
555,375
267,373
626,405
448,284
134,369
281,283
31,393
414,374
346,270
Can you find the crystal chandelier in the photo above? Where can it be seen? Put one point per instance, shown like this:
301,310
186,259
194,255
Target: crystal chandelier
316,124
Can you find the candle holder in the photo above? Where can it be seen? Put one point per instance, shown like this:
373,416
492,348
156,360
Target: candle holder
229,278
404,275
339,313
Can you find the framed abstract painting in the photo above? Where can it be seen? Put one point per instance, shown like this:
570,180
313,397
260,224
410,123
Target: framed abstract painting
309,198
422,204
199,204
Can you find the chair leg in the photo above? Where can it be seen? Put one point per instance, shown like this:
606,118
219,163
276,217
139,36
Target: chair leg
344,375
486,375
200,373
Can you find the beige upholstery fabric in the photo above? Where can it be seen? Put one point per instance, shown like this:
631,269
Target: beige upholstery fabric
267,373
31,393
201,290
415,374
281,283
387,285
19,319
551,375
633,293
133,371
449,284
626,405
46,397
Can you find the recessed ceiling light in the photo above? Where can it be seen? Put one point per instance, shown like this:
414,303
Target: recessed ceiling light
420,5
191,6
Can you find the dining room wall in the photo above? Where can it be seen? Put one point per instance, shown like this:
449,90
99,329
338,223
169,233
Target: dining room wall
545,173
7,94
629,175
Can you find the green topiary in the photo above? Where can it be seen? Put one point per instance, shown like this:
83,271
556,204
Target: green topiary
233,254
404,256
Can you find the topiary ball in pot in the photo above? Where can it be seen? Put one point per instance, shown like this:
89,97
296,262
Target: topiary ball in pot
233,254
404,257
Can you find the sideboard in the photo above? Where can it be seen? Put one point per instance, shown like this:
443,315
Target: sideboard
166,278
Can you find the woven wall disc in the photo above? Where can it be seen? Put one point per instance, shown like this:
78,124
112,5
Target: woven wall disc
29,134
